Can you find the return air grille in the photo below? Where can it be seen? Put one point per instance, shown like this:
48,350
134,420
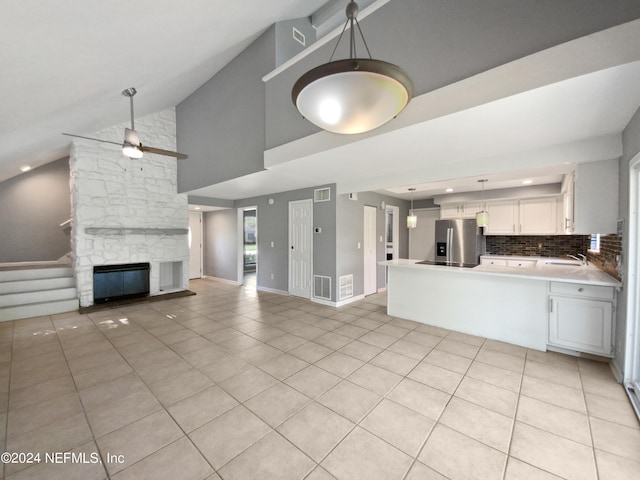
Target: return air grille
322,287
345,283
322,194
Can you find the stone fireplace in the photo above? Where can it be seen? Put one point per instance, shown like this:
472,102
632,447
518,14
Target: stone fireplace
128,211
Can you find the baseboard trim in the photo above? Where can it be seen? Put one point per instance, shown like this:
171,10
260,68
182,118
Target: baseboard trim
616,370
271,290
223,280
337,304
382,289
349,300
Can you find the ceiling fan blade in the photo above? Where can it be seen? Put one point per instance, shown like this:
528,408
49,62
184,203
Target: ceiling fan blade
91,138
160,151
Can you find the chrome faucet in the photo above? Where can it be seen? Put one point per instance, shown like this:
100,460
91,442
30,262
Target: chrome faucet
581,258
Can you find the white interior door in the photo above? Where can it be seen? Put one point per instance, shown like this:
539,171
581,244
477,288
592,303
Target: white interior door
369,244
300,248
195,245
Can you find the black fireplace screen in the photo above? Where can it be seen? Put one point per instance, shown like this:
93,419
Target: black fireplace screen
116,282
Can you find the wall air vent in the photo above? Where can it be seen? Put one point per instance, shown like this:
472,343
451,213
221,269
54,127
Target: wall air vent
322,287
345,283
322,194
298,36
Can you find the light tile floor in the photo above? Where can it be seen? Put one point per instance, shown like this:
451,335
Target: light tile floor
238,384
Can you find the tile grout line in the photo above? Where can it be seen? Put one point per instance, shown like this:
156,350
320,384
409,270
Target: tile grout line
515,416
437,421
6,419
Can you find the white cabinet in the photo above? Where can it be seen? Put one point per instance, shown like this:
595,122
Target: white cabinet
568,197
522,263
460,210
595,201
469,210
538,216
530,216
498,262
581,317
449,211
503,217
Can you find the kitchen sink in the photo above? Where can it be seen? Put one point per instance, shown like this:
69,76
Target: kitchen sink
561,262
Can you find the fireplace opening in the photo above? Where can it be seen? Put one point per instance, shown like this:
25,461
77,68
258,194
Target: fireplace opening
119,282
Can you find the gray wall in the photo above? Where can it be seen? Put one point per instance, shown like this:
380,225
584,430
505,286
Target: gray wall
221,240
222,124
423,37
286,46
630,147
350,231
33,205
220,244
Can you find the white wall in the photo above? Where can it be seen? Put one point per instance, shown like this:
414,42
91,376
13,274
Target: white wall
109,190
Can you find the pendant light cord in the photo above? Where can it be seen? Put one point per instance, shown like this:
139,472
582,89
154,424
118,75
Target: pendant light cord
351,19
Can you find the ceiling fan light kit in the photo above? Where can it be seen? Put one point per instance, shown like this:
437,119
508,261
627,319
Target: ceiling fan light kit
354,95
131,146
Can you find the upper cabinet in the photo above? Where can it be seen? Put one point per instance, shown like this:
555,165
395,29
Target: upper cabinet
460,210
531,216
503,217
593,203
538,216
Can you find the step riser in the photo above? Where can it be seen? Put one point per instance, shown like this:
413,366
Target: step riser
36,310
15,299
35,285
35,274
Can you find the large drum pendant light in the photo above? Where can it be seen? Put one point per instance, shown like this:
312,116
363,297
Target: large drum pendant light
354,95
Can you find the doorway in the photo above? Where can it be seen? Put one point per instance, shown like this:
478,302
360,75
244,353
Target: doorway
632,357
195,244
249,245
300,248
370,258
392,232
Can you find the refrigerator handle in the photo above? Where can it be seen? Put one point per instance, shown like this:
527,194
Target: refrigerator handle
449,244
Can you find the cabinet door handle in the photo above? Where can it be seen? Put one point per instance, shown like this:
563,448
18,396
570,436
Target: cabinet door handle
581,289
551,305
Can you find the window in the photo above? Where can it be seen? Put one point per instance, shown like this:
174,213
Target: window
594,246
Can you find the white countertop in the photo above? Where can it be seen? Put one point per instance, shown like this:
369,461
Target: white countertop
557,273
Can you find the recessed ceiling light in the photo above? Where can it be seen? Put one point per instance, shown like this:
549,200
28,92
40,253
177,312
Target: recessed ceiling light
527,182
26,168
449,190
197,208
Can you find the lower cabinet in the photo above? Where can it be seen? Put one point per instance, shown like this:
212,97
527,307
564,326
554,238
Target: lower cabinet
580,323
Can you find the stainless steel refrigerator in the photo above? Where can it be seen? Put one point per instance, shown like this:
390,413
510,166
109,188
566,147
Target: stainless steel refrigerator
459,242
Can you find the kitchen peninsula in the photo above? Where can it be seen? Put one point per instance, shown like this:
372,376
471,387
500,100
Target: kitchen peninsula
542,305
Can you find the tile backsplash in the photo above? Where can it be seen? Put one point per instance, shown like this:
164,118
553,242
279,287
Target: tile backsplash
537,245
559,246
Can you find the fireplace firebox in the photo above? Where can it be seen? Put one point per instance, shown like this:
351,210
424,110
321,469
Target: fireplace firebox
119,282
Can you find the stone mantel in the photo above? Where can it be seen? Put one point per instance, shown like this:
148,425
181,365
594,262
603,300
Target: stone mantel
134,231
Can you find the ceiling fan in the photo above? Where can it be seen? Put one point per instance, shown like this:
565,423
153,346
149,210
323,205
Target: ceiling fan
131,147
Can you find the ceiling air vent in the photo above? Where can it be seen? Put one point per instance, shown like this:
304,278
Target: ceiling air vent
298,36
322,194
322,287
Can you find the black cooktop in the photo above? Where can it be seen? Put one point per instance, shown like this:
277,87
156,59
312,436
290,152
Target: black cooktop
447,264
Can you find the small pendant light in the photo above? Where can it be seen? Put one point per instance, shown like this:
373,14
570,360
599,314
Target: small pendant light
412,219
482,217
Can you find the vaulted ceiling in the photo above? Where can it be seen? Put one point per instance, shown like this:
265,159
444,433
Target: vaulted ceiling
64,63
